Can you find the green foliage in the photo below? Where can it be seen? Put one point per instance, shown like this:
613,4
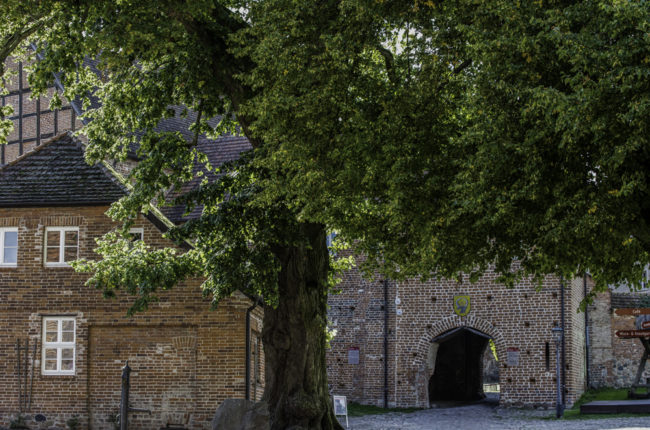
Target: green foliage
152,58
607,393
330,334
644,301
436,137
443,137
493,349
73,423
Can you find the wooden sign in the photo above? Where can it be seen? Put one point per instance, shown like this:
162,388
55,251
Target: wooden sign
632,333
632,311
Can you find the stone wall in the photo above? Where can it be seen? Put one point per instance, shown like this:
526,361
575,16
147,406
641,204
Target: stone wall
601,354
614,361
186,359
575,343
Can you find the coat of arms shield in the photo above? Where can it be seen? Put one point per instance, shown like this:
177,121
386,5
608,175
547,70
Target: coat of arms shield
461,305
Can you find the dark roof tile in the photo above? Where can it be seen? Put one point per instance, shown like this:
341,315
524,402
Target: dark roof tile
629,300
218,151
56,174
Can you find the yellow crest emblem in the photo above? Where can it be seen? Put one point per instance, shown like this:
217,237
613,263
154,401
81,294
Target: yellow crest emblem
461,305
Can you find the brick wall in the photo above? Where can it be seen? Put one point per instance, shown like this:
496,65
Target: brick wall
186,359
520,318
575,340
33,120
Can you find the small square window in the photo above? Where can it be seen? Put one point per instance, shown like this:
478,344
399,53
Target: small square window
8,247
58,346
136,233
61,245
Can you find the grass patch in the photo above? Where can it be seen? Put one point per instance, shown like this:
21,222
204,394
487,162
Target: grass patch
599,394
357,410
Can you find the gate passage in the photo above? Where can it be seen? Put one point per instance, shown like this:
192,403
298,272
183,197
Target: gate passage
641,332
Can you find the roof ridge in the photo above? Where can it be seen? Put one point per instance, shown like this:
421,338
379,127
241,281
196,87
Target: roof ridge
40,147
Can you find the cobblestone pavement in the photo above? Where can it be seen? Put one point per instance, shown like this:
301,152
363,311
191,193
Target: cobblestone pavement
488,417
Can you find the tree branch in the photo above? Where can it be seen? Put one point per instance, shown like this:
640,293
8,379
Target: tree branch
11,43
390,62
195,141
462,66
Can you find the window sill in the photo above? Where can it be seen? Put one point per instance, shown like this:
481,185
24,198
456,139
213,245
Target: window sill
57,265
73,373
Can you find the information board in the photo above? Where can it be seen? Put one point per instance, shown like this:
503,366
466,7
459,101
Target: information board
341,408
512,356
353,355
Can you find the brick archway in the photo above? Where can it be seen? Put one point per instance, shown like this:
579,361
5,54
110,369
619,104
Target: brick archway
439,327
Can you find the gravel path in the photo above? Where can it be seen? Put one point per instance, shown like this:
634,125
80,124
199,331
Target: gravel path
488,417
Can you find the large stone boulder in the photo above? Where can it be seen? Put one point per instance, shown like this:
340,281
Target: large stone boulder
240,414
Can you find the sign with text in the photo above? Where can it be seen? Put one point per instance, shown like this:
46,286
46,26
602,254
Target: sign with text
632,333
512,356
341,408
632,311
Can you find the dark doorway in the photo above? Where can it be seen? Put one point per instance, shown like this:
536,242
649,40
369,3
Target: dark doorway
458,373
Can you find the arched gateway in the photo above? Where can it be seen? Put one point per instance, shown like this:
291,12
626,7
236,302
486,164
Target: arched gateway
449,358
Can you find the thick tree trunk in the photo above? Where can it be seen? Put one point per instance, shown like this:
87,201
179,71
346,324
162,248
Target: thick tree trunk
294,338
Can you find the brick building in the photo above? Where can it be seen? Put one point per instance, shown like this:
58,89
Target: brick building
186,359
397,343
406,344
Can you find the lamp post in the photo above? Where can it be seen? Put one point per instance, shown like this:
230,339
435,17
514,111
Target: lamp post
558,333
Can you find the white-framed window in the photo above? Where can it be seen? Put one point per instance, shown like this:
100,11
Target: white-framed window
58,346
61,245
8,246
136,233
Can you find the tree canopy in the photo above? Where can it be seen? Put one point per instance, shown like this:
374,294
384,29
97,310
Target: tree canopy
446,135
437,137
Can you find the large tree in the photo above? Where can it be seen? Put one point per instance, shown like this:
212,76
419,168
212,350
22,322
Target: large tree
438,137
450,135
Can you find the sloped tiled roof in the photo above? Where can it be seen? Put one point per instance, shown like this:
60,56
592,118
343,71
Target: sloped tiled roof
178,123
56,174
630,300
218,151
